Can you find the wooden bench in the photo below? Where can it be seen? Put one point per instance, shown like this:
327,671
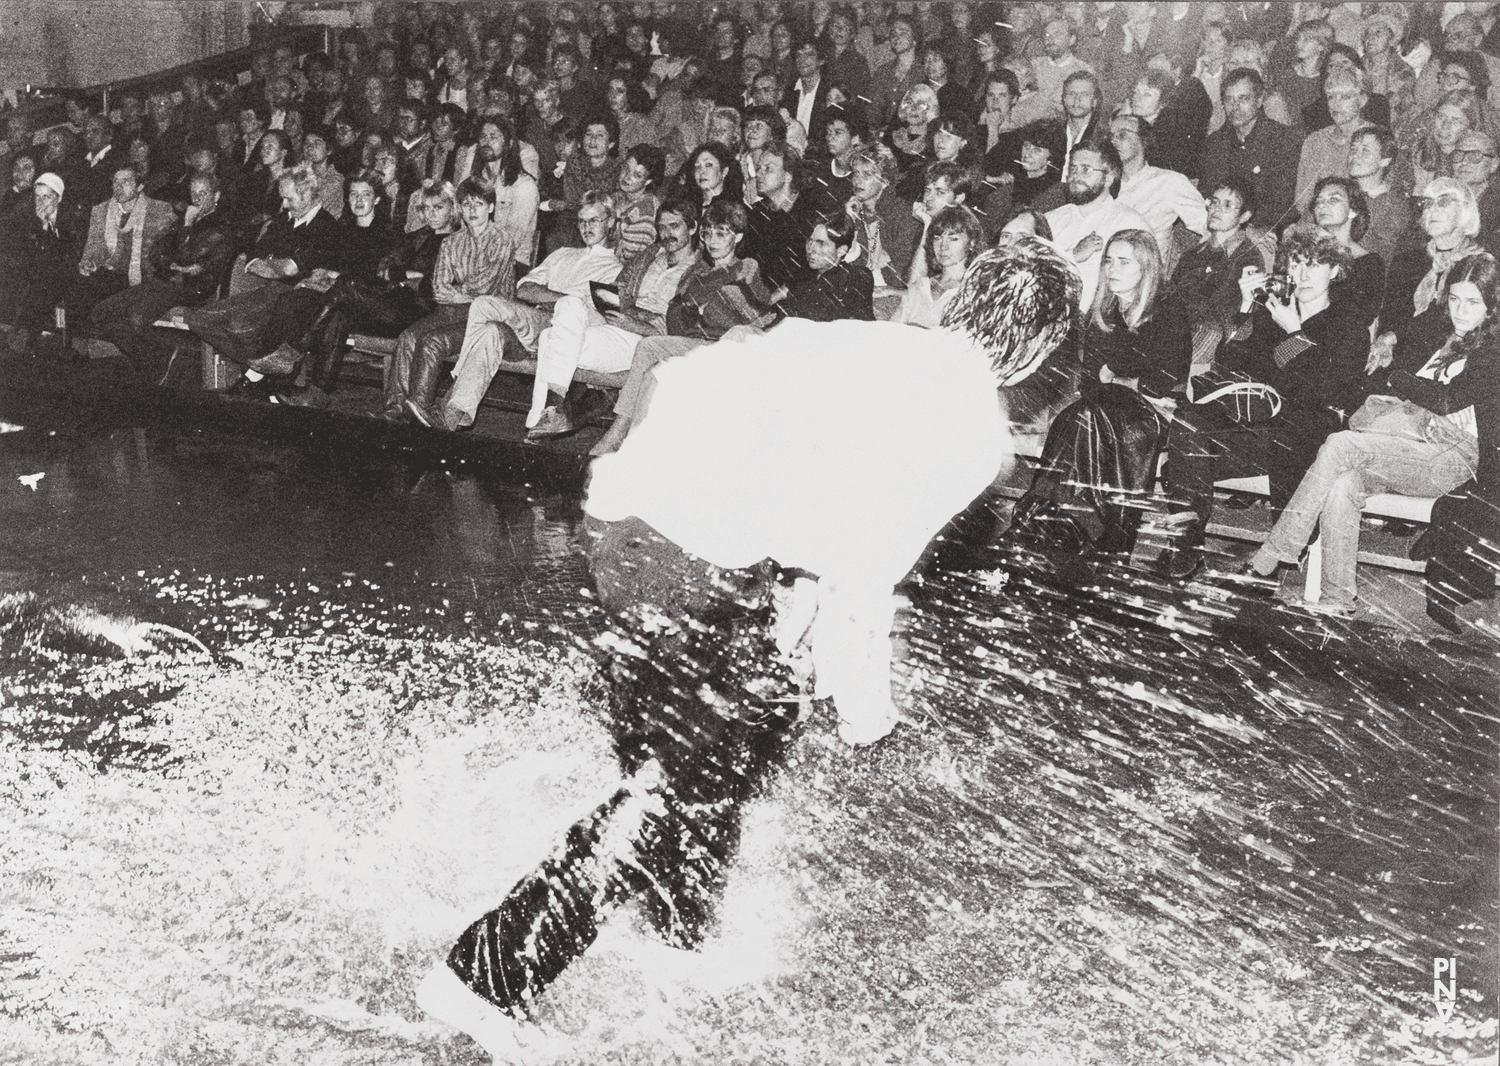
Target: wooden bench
1386,505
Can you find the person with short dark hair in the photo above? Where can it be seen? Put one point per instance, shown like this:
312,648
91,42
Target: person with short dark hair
1253,150
1164,198
580,336
781,217
829,286
120,251
1310,348
1207,278
1372,151
478,261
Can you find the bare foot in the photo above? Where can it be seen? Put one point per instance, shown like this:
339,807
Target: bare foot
443,996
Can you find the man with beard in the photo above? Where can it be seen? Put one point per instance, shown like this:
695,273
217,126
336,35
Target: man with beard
1080,101
1084,225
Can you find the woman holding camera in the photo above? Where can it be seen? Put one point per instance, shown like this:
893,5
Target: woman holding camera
1444,369
1292,335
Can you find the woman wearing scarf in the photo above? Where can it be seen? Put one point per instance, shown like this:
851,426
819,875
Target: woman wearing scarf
1450,216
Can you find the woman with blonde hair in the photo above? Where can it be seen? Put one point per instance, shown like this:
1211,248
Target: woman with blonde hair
1102,450
1450,218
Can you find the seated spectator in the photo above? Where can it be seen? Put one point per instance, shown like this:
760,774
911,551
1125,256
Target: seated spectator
124,234
884,226
1325,152
38,261
1137,352
1446,368
1207,279
1036,172
995,117
781,217
826,174
258,194
96,176
567,272
1377,109
1340,210
383,302
1450,220
395,195
1253,150
594,169
298,241
951,239
411,139
1371,153
1177,109
1164,198
628,101
478,261
1474,164
636,199
910,140
952,95
952,142
330,181
1310,349
438,160
1091,216
580,336
709,173
830,285
17,197
1059,39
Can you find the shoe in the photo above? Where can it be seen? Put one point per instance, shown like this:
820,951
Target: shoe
1180,564
553,423
279,363
245,389
423,414
309,396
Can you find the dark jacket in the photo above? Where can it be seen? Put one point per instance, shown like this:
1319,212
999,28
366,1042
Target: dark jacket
1318,369
359,250
1159,352
1266,162
842,291
314,244
210,243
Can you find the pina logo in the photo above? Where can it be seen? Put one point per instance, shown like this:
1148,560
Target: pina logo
1444,995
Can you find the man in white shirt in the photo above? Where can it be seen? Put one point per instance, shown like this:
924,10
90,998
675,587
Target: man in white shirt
566,272
1084,225
1163,197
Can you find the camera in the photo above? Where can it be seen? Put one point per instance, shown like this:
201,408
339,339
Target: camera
1278,285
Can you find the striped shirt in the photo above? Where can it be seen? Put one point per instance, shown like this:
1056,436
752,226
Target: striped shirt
470,266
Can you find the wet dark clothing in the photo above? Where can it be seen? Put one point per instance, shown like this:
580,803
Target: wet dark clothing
699,706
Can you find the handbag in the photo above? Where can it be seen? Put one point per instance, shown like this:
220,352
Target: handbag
1240,397
1392,417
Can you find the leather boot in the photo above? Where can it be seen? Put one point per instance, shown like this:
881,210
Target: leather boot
398,370
426,371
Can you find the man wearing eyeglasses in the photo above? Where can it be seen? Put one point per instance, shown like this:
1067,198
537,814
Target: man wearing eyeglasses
1084,225
1474,164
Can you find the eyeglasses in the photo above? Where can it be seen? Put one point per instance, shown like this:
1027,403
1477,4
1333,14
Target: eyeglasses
718,232
1472,155
1085,168
1425,203
1458,76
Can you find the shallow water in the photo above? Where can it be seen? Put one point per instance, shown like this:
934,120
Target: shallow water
1125,814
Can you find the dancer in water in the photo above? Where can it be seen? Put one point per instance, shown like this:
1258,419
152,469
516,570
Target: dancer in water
838,449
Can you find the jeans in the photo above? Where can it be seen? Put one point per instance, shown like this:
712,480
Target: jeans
484,347
1349,468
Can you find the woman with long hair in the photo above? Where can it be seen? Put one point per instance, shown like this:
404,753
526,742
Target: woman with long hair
952,240
711,172
1417,435
1101,451
631,106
